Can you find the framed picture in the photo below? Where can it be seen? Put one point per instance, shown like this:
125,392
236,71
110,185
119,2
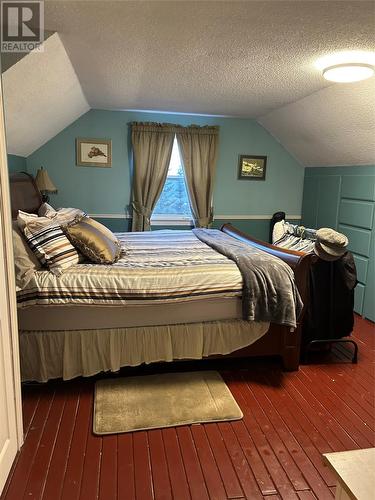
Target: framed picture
252,167
94,152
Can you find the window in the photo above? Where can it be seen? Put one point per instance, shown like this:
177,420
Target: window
173,204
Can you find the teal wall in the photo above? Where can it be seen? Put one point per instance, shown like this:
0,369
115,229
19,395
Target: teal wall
107,190
344,198
16,164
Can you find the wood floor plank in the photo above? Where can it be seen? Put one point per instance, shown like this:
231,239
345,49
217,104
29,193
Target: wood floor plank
108,468
29,406
317,415
21,473
74,469
280,479
351,395
197,485
91,468
142,467
307,436
244,472
210,470
261,474
59,460
298,453
345,372
320,415
306,495
125,472
177,474
42,459
355,428
281,451
223,461
159,466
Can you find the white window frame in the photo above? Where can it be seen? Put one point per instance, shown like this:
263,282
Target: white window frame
171,219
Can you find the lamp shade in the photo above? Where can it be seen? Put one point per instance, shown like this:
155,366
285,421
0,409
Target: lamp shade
44,183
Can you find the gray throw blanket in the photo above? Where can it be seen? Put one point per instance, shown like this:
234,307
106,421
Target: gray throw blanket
269,290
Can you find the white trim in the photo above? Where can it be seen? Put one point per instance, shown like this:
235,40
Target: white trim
110,216
253,217
157,219
5,209
171,222
8,326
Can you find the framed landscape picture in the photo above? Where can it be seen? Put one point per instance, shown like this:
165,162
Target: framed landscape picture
252,167
93,152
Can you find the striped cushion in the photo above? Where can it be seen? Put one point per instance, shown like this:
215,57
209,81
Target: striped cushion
51,246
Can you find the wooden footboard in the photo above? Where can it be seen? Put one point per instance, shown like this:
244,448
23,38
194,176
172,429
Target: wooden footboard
279,340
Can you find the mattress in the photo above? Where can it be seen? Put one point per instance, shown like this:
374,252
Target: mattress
73,317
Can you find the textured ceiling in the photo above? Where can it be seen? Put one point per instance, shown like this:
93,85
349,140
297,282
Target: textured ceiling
242,58
334,126
42,96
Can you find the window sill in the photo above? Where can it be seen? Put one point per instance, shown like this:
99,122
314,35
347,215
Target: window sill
171,220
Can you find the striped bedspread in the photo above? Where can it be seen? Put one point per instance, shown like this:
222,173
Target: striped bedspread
163,266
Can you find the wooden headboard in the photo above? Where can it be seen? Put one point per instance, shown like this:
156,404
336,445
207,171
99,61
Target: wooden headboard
24,194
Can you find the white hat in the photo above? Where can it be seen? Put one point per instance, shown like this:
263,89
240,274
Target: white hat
330,245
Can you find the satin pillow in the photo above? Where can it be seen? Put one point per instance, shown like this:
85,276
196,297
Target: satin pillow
94,240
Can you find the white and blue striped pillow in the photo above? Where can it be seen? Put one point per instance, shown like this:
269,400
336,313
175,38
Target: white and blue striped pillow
51,246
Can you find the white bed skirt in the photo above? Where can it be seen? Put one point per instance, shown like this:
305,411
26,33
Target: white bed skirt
67,354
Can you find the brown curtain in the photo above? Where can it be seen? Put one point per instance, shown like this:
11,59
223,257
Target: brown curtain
152,149
199,148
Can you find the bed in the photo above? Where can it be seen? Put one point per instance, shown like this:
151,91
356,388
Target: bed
79,338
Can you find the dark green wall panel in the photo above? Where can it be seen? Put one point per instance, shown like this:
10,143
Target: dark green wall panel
358,298
358,187
361,264
310,201
356,213
369,300
328,201
343,198
359,239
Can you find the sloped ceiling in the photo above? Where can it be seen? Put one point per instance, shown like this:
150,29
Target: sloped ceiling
237,58
240,58
334,126
42,96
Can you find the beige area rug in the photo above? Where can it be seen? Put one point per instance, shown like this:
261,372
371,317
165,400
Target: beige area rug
166,400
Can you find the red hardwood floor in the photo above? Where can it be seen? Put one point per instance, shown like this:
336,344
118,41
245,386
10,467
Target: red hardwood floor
290,419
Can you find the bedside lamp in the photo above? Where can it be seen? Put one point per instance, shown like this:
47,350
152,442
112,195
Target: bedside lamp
44,184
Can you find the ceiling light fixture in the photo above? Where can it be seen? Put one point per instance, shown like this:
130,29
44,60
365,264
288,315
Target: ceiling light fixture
348,72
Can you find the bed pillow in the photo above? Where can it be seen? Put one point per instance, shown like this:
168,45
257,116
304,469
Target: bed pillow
45,209
62,216
50,245
94,240
278,231
23,218
25,261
